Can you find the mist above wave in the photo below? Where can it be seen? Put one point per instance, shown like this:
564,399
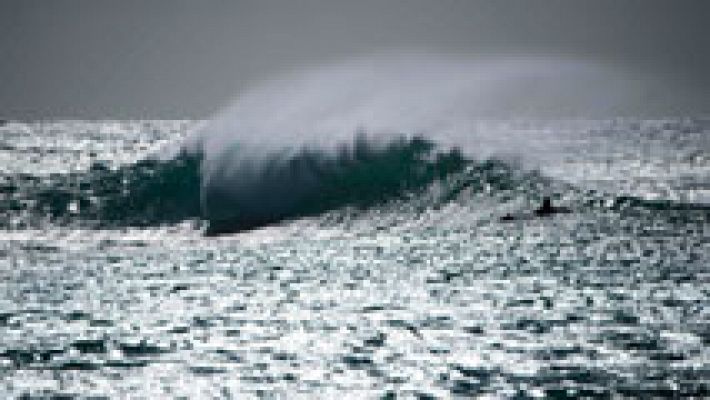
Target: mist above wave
274,149
441,97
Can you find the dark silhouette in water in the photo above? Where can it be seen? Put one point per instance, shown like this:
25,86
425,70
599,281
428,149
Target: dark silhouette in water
548,209
545,210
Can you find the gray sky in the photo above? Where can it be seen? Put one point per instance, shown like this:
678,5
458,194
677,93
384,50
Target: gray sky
185,59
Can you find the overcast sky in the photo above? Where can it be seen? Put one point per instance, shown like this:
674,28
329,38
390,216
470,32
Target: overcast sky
186,59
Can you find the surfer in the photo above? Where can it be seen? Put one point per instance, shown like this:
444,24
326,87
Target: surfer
546,207
545,210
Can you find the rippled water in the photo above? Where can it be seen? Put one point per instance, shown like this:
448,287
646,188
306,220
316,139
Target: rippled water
397,300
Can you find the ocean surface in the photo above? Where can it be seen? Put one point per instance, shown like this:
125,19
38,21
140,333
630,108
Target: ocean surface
405,269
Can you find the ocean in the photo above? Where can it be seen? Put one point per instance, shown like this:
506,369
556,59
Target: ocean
134,265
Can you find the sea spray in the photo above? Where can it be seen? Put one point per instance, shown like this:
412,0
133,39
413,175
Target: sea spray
352,134
284,145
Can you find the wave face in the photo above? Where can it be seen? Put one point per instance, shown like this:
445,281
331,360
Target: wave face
311,181
285,186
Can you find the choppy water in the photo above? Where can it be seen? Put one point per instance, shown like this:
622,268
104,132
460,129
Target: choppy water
109,287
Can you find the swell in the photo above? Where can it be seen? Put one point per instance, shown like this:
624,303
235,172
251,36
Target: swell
149,192
233,197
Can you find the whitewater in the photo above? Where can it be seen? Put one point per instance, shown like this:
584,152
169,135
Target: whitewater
363,229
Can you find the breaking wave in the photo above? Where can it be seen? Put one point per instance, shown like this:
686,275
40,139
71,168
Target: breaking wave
349,135
358,176
152,192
